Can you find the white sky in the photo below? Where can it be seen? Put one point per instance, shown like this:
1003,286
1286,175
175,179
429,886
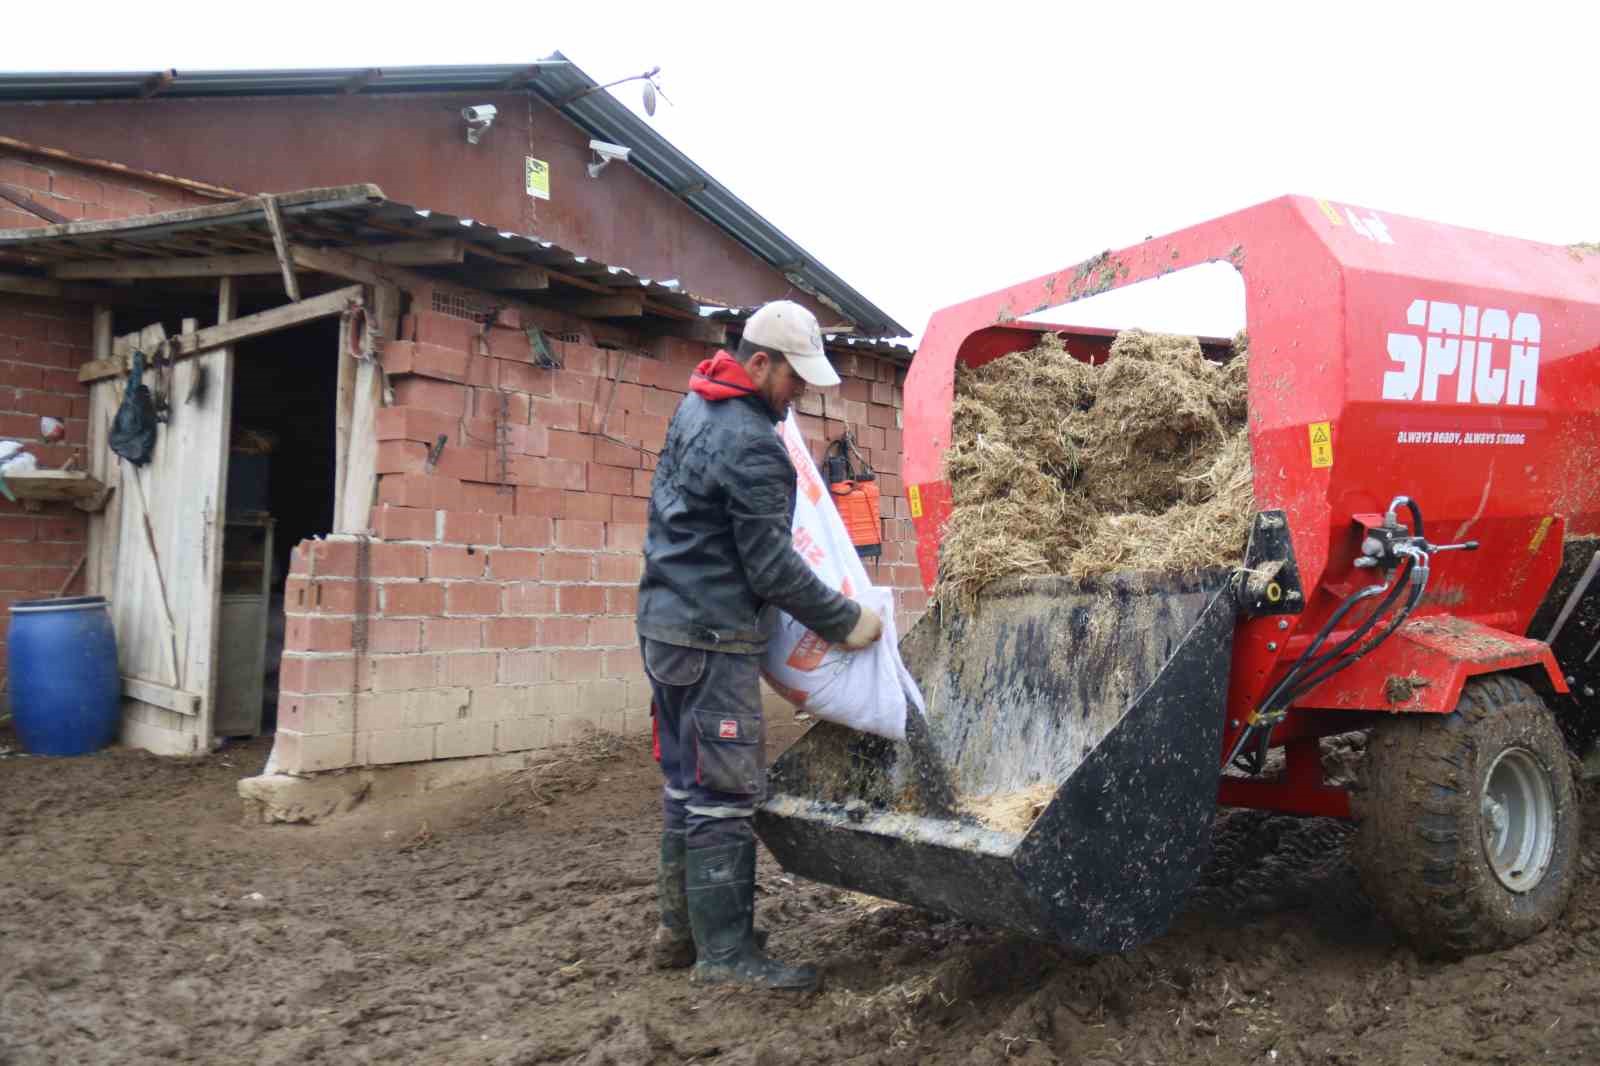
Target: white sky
927,158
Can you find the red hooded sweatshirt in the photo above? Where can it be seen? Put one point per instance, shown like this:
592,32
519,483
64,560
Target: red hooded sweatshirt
721,378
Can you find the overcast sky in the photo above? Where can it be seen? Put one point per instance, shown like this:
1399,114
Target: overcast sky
929,158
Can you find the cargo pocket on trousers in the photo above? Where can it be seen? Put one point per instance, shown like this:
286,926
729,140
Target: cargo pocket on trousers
729,752
668,664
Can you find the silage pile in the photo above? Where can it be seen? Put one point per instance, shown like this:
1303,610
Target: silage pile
1059,467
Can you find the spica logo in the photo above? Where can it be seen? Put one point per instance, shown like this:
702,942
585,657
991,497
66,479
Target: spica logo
1492,356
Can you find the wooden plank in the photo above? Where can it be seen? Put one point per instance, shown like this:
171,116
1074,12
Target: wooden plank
702,331
233,332
213,266
30,205
608,307
211,423
269,204
361,466
54,485
165,696
23,285
520,279
104,525
436,252
207,265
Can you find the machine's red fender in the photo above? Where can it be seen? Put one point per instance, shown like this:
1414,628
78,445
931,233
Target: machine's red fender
1423,667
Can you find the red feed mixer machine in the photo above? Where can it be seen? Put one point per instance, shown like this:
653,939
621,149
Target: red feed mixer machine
1424,407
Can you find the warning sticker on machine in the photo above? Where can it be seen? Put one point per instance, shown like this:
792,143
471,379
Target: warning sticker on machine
914,496
1321,444
1434,436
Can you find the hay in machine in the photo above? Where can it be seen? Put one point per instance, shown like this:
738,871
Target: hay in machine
1059,467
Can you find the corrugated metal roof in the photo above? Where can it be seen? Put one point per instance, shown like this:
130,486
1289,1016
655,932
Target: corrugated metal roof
889,347
556,80
341,217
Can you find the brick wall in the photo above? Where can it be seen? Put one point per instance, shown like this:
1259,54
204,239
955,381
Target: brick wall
42,343
497,608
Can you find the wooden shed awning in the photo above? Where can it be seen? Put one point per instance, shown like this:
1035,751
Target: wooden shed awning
348,231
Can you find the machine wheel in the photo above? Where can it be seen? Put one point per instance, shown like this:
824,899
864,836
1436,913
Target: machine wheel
1469,821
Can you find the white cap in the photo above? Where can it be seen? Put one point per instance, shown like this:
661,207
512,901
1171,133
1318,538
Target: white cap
784,326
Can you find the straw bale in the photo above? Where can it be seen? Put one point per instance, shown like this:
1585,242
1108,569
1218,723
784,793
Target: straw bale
1059,467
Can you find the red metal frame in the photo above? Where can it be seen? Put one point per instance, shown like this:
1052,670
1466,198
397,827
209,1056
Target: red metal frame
1340,303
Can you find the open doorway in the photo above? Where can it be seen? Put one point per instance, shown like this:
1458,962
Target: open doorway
282,467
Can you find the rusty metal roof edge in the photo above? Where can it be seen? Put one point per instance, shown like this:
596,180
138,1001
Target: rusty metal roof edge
604,116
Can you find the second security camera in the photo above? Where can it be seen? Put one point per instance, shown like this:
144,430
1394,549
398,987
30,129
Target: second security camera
607,152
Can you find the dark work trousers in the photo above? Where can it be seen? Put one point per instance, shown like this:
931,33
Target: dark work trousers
713,740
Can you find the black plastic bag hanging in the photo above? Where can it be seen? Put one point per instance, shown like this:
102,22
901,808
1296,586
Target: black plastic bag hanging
133,431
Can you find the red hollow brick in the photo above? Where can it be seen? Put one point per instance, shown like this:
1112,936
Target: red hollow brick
613,633
618,569
510,633
554,414
622,600
533,500
451,562
624,537
433,327
404,523
530,597
415,423
442,397
582,599
563,632
397,560
577,665
629,509
525,531
506,565
452,634
401,457
586,506
472,598
469,527
413,598
566,444
577,534
393,635
611,480
487,498
567,567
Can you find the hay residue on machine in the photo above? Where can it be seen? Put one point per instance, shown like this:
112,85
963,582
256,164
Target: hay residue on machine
1060,467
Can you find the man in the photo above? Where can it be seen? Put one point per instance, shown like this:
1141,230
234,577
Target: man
717,553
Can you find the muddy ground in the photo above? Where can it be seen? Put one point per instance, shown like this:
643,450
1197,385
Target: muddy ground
504,923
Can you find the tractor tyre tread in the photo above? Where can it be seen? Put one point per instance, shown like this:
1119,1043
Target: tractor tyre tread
1418,849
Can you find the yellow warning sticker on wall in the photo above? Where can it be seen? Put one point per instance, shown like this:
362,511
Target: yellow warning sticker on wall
1330,211
537,174
1321,444
914,495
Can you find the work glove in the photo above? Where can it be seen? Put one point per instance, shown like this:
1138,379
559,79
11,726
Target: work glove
868,628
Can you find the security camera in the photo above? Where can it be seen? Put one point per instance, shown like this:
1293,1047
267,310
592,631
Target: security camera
479,119
607,152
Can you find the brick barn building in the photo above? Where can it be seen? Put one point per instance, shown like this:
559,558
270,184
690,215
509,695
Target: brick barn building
412,389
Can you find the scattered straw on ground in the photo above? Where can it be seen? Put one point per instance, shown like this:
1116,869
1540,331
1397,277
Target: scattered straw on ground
563,770
1059,467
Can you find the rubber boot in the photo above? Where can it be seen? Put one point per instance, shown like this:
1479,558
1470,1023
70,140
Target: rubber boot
673,946
722,896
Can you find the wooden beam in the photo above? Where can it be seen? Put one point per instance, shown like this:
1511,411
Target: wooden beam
189,218
175,700
215,266
210,266
436,252
609,307
22,285
702,330
30,205
269,204
520,279
356,268
240,329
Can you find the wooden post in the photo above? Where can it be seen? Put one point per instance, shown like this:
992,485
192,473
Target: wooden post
281,243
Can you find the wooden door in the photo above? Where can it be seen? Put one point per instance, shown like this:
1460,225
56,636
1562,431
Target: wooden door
158,551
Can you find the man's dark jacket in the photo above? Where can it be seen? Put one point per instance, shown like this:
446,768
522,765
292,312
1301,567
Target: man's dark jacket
718,547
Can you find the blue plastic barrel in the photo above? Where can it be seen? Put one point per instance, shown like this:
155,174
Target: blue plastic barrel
65,690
